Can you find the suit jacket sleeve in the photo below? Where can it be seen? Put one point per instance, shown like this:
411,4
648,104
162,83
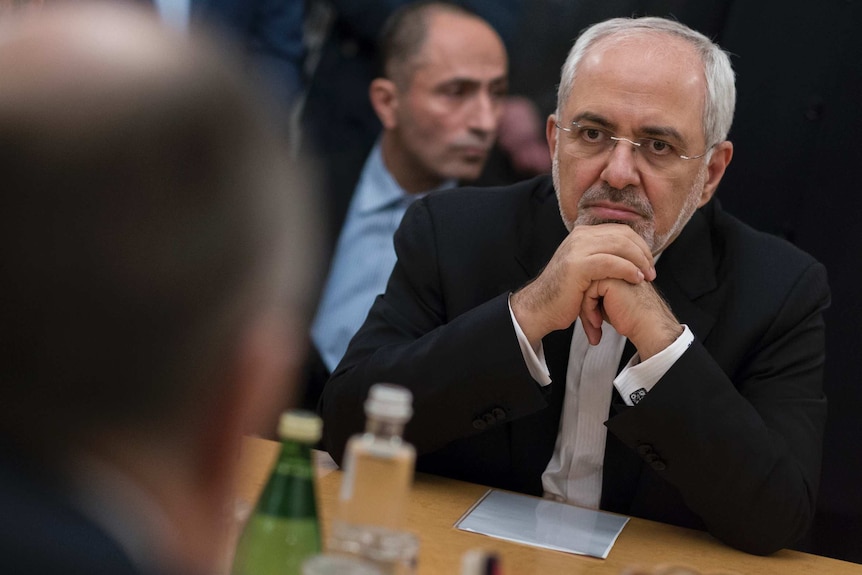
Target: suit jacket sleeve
744,451
458,354
275,41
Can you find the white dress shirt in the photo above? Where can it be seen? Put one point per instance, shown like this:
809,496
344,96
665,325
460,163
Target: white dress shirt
574,473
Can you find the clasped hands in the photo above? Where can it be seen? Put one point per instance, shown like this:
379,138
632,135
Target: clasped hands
599,273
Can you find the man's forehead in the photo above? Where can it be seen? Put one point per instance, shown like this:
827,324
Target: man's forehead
645,53
458,41
653,74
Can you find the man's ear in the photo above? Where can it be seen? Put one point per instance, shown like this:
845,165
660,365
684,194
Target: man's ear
383,94
718,162
551,133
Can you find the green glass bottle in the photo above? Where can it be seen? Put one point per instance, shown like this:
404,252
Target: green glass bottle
283,531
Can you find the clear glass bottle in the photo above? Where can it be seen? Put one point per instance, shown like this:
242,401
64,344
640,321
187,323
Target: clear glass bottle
283,530
378,473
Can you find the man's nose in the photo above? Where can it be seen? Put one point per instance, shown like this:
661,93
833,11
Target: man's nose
621,169
486,112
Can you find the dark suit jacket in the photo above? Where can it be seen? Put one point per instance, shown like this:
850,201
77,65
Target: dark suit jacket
271,33
728,440
41,532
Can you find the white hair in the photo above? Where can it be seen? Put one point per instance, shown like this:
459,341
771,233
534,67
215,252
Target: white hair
720,87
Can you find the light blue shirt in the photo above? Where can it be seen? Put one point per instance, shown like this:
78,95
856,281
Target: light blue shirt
175,12
364,258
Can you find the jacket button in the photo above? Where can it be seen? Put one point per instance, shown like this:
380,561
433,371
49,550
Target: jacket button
644,449
499,413
479,424
658,465
489,418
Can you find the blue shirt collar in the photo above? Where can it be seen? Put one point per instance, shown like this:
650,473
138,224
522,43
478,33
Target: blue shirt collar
378,190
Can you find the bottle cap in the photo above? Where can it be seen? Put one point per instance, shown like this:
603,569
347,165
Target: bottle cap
300,425
389,401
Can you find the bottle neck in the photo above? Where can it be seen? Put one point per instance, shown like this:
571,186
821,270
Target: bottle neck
292,449
289,491
384,428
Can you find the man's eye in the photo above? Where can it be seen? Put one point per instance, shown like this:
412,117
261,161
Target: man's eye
592,135
455,91
658,147
499,93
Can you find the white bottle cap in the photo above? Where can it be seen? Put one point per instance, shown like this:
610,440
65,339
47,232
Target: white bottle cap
389,401
300,425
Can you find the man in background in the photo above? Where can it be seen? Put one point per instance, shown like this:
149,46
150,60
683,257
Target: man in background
338,124
155,252
439,100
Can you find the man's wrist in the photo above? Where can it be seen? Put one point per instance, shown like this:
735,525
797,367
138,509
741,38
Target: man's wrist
525,318
534,355
662,333
639,375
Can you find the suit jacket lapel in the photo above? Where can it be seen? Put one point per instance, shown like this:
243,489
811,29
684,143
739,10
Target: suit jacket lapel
542,230
533,437
685,272
538,240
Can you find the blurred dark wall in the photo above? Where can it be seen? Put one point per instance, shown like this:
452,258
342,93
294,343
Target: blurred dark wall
796,131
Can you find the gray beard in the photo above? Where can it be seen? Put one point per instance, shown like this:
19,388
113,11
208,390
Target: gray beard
629,197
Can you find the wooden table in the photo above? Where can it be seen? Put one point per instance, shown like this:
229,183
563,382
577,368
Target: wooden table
436,503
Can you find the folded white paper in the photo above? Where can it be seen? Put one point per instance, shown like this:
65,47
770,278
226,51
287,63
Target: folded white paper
543,523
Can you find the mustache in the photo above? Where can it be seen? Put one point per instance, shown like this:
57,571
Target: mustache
474,141
627,196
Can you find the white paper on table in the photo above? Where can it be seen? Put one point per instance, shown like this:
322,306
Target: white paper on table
543,523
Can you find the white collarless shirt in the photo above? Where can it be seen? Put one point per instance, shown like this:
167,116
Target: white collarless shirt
574,473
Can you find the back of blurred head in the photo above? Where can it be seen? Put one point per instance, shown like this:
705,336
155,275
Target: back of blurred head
154,247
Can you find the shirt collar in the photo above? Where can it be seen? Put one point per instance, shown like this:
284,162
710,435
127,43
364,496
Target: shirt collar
378,190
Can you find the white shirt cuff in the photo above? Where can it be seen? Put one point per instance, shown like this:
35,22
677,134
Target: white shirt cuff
534,359
638,378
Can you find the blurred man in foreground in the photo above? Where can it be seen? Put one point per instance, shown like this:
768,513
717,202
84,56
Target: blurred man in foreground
147,229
